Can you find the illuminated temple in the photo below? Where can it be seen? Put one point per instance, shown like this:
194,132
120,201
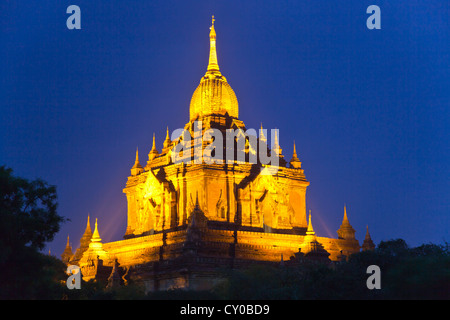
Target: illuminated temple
187,222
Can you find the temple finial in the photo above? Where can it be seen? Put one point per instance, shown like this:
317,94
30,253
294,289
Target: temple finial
310,230
213,66
153,153
368,242
345,214
154,144
136,162
261,134
295,161
96,235
88,229
136,168
167,142
276,145
294,154
346,230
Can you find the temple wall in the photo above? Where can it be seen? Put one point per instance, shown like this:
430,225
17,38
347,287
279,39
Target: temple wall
248,246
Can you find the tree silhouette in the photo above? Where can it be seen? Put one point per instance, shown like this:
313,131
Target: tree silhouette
28,219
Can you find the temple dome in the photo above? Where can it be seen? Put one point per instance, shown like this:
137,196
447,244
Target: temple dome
213,95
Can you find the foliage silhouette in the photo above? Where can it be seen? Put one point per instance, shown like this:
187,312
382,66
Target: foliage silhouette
28,219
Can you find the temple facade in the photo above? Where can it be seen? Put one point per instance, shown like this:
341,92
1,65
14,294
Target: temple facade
189,218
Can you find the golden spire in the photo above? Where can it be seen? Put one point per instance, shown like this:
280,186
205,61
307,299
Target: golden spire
167,142
213,66
96,245
67,254
276,145
346,230
137,168
262,137
295,162
96,235
88,230
153,153
213,95
136,162
310,230
86,238
154,144
345,220
294,154
310,236
310,243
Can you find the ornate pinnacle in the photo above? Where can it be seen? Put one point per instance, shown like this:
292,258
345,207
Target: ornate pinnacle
213,65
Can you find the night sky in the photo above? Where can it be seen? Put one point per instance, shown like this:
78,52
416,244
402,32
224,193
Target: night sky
368,109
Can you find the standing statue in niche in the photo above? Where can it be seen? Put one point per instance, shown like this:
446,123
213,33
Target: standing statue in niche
220,208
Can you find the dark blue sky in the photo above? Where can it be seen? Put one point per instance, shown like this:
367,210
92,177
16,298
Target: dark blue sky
368,109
